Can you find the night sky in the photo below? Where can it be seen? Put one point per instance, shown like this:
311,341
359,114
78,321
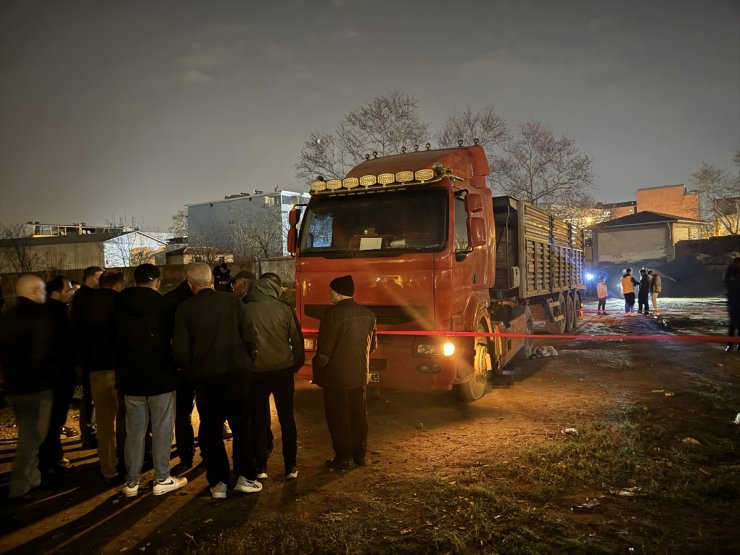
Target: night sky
132,109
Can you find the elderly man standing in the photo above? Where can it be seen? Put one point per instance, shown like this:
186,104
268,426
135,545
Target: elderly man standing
30,366
208,344
341,367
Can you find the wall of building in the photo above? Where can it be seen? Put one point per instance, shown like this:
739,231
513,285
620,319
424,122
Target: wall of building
671,199
63,256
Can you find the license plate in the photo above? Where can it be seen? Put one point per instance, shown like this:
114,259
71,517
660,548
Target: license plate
374,377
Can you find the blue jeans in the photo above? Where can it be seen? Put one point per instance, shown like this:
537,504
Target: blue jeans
32,414
139,409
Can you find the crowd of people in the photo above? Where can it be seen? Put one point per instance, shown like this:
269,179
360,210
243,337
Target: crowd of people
219,343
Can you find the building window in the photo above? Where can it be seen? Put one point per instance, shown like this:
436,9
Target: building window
269,201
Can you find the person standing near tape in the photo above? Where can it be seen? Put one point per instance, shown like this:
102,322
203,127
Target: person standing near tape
644,292
732,281
628,290
656,286
341,367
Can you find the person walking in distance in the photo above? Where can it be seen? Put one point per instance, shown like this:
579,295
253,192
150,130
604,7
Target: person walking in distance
643,293
602,292
147,379
656,286
276,346
29,364
209,347
347,336
628,290
732,282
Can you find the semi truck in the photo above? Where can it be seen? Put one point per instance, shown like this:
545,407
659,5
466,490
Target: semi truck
456,277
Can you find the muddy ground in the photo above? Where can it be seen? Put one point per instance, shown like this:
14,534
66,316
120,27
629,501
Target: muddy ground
414,435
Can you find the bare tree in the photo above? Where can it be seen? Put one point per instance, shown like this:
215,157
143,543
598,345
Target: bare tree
384,125
719,191
543,169
19,254
179,225
259,236
487,127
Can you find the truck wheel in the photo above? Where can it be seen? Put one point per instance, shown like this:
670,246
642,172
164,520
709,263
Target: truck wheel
526,350
570,313
476,386
559,326
577,307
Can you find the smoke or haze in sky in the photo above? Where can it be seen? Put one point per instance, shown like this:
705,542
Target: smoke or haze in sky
132,109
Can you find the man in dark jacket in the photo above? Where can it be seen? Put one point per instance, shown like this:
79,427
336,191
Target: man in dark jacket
147,378
732,281
29,361
644,293
185,397
98,357
276,345
90,282
341,367
51,456
208,344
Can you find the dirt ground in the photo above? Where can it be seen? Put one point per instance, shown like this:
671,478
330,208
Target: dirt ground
412,435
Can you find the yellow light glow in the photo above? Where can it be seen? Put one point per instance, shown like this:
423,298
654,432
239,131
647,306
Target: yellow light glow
386,178
350,182
404,176
334,184
308,343
424,175
367,180
318,186
448,349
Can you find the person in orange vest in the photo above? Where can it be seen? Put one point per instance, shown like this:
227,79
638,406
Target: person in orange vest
628,290
602,292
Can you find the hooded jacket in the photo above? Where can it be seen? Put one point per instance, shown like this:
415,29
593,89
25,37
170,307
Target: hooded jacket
143,332
274,335
346,339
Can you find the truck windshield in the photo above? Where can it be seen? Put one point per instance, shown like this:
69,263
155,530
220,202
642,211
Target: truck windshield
377,224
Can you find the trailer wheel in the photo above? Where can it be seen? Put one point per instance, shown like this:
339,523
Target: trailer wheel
528,347
558,327
577,308
476,386
570,313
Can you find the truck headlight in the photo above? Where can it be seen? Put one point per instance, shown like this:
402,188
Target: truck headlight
435,349
309,343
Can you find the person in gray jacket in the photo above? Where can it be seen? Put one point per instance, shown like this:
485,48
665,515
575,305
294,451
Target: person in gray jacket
276,345
347,336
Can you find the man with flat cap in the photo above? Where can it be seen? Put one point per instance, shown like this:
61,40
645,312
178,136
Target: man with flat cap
347,336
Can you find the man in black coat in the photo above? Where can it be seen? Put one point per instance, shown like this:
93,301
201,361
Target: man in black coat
30,363
732,281
51,456
347,336
209,348
185,397
147,378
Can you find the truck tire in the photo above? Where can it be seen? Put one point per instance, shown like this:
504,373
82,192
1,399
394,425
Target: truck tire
526,351
558,327
570,313
577,307
477,385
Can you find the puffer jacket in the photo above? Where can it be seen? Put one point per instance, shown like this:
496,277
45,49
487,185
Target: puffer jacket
347,336
96,339
143,338
274,336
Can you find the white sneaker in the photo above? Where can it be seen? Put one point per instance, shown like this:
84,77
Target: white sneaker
262,475
131,489
247,486
219,491
292,475
171,484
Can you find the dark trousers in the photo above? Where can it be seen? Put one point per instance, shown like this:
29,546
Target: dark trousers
602,304
734,325
87,420
220,400
50,451
346,417
642,303
281,386
184,436
629,302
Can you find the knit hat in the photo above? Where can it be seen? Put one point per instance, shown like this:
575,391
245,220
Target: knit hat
343,285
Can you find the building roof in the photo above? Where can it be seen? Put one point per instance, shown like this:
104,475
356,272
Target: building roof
645,218
255,194
69,239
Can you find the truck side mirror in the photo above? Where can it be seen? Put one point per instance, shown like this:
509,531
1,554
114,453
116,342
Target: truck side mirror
473,203
476,232
293,218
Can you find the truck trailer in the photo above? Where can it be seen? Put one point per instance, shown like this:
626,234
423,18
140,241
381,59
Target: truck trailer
455,276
